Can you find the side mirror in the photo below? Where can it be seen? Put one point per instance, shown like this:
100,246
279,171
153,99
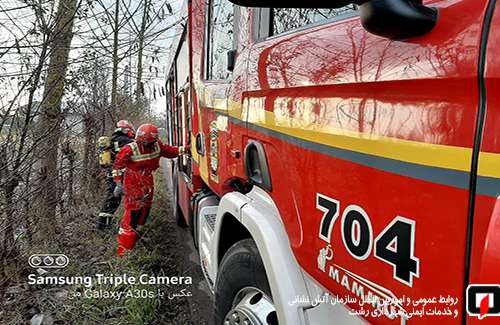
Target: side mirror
298,4
231,60
398,19
393,19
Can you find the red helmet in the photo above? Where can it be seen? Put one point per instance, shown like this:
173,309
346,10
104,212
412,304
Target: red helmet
147,133
125,126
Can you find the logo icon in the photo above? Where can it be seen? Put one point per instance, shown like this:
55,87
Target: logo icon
48,261
325,254
483,300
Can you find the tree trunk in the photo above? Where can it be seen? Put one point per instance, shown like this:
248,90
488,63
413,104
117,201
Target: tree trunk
89,151
114,77
7,245
27,210
10,182
51,116
142,32
70,156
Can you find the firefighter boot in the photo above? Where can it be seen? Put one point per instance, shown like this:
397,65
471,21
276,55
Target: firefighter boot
127,236
104,221
126,241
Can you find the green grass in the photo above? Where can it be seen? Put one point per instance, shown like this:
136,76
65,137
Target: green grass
93,252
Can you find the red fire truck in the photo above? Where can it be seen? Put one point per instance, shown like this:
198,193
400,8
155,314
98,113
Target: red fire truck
345,163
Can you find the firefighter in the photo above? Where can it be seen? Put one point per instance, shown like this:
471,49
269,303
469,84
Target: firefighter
108,149
139,159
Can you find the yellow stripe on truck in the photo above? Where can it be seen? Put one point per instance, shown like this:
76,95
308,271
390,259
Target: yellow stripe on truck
422,153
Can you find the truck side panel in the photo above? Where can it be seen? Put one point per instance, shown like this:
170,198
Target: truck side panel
485,258
369,143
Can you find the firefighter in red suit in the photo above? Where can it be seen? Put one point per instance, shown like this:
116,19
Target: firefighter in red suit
133,170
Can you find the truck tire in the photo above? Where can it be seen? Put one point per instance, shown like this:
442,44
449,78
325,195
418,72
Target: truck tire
195,230
242,293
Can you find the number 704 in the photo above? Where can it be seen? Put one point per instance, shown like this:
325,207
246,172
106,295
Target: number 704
394,245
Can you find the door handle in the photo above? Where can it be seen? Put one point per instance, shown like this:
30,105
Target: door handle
199,144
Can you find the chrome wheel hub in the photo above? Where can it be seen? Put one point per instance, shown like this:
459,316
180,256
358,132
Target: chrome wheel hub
251,307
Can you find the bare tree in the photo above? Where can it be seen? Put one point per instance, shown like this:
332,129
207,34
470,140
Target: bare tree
51,116
59,74
115,58
142,32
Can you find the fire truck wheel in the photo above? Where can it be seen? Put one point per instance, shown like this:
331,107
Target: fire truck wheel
195,230
242,293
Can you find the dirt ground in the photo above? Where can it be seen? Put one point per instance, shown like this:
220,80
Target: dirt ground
201,304
167,250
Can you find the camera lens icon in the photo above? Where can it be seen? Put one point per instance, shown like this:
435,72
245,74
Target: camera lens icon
36,260
62,260
48,261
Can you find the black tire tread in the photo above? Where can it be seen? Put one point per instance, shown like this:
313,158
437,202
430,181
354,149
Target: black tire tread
241,267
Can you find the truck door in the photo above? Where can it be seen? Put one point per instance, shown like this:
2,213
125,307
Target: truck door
218,40
182,100
484,253
184,104
375,142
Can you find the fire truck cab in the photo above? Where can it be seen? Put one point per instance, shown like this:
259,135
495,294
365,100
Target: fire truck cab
345,159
